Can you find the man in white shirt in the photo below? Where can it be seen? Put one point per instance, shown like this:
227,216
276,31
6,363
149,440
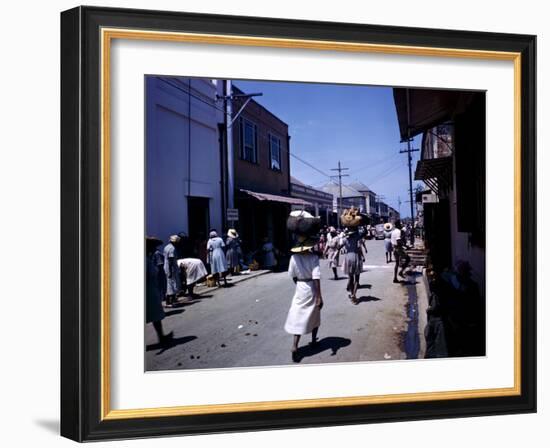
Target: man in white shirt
396,233
397,243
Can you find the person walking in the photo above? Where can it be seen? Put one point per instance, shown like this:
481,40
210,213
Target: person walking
233,253
387,241
354,245
154,314
332,251
304,315
171,270
216,257
399,254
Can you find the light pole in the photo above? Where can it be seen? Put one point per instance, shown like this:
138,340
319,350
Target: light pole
230,119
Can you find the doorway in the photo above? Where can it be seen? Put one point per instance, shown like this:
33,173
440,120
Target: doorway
198,211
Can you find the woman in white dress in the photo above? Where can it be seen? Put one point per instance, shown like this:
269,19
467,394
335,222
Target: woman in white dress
216,257
332,251
304,315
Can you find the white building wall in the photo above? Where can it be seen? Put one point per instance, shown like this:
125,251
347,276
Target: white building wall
182,153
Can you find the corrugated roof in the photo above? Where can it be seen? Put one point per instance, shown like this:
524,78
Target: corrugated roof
276,198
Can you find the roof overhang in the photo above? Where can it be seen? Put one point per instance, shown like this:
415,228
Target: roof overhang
436,173
275,198
421,109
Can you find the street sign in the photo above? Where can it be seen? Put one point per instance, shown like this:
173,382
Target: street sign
232,214
429,198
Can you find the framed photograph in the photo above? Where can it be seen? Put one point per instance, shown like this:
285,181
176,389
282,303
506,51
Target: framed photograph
273,223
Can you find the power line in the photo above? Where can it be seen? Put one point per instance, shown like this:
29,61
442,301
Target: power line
378,162
340,175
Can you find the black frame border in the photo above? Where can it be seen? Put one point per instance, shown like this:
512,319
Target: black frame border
81,223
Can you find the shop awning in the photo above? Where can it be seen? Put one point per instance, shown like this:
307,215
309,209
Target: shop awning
276,198
421,109
436,173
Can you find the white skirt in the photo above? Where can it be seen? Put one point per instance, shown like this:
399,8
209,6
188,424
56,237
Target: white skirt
303,315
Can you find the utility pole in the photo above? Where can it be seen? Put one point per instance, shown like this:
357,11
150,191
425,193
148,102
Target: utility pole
410,150
340,175
399,204
228,97
378,202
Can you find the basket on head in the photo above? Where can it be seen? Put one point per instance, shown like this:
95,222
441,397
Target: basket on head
301,222
351,218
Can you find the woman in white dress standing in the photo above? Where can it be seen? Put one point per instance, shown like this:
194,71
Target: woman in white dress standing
332,251
304,315
216,257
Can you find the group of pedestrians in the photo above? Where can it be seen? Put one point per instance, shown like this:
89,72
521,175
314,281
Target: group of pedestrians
346,248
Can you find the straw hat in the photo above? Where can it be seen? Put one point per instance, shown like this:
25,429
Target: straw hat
232,233
388,226
174,238
304,244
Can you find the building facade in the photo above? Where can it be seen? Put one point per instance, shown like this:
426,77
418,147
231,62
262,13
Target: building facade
452,166
262,175
319,203
183,167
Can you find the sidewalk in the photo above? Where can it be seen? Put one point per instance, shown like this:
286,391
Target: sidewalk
232,280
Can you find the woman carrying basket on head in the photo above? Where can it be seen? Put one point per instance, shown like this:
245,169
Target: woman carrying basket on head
304,315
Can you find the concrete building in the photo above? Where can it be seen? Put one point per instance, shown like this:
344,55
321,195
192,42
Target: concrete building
182,170
350,197
320,203
262,175
371,207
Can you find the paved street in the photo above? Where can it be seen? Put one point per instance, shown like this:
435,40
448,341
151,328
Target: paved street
242,325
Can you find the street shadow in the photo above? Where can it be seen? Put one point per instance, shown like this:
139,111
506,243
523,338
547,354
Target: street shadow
51,426
368,299
171,344
407,282
365,286
187,302
172,312
332,343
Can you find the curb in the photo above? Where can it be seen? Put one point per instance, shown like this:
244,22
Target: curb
234,280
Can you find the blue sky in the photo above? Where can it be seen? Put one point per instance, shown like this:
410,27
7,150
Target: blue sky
354,124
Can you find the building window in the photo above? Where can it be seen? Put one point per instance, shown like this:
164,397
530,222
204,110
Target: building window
249,141
274,153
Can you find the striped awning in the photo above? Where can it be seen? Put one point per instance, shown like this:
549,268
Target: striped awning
276,198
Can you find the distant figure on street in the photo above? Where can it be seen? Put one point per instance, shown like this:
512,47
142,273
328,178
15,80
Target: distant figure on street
268,250
322,242
216,257
193,271
171,270
332,251
158,260
402,259
304,315
353,244
154,313
233,253
387,241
